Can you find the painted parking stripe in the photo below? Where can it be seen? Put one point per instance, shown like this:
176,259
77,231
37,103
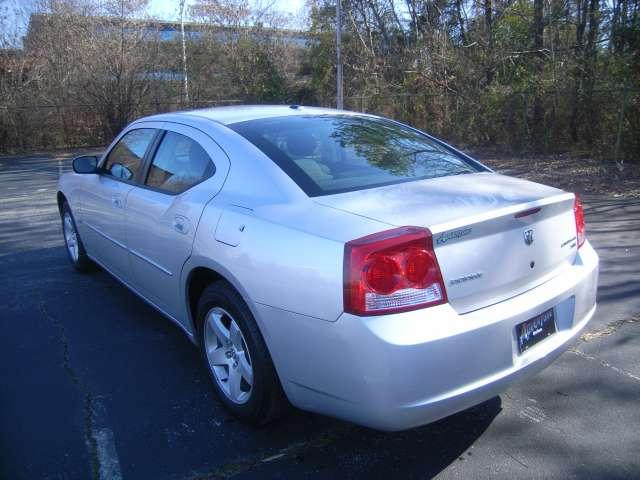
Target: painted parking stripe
103,444
107,456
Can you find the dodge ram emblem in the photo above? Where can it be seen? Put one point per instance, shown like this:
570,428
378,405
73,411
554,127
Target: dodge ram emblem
528,236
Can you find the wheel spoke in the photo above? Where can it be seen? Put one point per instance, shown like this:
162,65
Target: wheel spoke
218,356
235,335
222,374
217,327
234,383
244,368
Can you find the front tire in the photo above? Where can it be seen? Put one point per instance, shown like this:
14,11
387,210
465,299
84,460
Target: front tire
75,249
236,356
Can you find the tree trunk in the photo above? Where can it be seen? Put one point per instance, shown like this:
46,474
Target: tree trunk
538,46
488,20
581,13
590,68
463,35
184,54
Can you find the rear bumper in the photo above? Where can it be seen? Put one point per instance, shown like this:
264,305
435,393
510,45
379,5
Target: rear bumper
395,372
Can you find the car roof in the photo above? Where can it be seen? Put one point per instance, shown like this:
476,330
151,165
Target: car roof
241,113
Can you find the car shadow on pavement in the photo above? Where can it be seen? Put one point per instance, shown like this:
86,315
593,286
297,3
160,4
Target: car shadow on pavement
352,451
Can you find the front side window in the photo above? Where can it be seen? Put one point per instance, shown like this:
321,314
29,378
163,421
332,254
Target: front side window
328,154
179,164
125,159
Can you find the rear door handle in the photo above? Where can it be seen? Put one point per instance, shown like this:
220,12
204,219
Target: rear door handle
181,224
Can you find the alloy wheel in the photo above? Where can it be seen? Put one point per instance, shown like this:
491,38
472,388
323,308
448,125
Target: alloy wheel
228,355
71,237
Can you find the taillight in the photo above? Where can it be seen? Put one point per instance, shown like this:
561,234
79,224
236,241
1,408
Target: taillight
392,271
578,212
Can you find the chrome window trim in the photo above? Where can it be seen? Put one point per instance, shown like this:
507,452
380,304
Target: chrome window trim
104,235
133,252
150,262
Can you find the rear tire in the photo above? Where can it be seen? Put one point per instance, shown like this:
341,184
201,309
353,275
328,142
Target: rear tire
75,248
237,357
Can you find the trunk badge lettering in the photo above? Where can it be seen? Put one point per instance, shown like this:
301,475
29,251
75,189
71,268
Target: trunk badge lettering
454,235
466,278
528,236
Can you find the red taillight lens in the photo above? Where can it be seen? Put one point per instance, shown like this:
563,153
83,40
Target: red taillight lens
392,271
418,265
382,274
578,212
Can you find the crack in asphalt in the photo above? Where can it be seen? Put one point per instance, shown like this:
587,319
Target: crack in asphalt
518,461
64,341
84,390
609,329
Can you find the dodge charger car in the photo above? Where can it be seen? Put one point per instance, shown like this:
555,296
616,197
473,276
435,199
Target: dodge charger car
344,263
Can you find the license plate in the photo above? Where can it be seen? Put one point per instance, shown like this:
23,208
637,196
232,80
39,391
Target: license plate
535,330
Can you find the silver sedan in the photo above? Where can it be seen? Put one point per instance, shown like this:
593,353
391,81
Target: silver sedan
344,263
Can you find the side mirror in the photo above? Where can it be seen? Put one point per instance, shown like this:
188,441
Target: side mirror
85,164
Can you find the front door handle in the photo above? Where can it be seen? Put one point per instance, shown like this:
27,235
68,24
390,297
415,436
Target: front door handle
181,224
116,200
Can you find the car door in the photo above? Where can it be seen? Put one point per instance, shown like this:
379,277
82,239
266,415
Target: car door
187,169
104,197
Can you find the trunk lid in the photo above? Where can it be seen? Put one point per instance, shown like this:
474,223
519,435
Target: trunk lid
494,236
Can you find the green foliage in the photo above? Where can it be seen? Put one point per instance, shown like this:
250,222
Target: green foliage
266,84
318,60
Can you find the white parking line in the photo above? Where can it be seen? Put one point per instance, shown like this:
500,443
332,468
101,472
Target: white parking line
107,456
104,445
604,364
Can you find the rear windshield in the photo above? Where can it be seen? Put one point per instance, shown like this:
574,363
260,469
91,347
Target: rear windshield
337,153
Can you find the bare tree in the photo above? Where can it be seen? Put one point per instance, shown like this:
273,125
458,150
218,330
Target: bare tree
184,53
525,73
538,46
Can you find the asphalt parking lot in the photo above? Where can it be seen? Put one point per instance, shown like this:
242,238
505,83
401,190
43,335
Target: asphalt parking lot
96,384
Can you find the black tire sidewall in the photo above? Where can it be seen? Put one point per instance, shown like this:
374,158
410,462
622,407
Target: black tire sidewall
83,263
221,295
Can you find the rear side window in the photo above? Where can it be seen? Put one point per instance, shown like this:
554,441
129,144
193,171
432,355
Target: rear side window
125,159
338,153
179,163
